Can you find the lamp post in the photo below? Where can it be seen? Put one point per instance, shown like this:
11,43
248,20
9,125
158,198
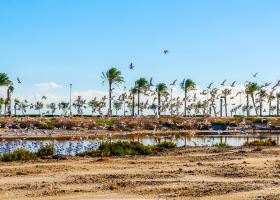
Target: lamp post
70,107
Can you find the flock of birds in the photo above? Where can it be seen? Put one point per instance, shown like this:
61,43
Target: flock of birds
215,101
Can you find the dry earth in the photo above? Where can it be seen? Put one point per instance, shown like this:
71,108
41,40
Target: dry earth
184,173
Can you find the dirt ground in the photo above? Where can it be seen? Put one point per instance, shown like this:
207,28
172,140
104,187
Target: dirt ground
183,173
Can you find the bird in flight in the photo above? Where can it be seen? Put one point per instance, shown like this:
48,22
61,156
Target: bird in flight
209,87
255,75
174,83
223,83
44,97
131,66
19,81
165,51
233,84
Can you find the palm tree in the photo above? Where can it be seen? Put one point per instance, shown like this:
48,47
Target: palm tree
63,106
187,85
52,107
278,102
39,106
133,91
226,92
79,105
2,103
271,97
16,106
160,88
262,95
4,80
23,106
251,88
141,84
8,105
117,105
113,76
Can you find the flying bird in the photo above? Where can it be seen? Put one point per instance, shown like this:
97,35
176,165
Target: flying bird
165,51
209,87
44,97
233,84
174,83
255,75
131,66
19,81
223,83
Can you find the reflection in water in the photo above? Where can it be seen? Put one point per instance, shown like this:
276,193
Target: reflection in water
72,147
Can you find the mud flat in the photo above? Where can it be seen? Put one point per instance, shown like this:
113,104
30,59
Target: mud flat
182,173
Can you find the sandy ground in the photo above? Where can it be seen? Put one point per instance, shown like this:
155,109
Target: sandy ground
184,173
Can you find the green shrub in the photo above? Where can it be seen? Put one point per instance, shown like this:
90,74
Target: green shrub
18,155
46,126
220,144
104,123
47,150
119,148
166,145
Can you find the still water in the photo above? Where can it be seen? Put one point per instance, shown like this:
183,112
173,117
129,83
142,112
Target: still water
72,147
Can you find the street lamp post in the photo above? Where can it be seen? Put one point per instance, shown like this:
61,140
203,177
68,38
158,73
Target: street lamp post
70,106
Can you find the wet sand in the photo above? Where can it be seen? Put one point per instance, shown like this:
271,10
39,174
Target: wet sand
183,173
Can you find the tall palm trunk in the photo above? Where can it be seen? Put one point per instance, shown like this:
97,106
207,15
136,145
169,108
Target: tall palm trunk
226,109
221,107
159,103
261,107
253,99
8,105
133,104
270,107
185,108
278,106
214,109
248,110
110,99
138,112
15,108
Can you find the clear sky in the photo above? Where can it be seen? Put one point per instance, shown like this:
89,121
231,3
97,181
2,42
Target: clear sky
65,41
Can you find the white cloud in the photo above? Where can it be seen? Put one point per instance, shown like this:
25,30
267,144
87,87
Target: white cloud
48,86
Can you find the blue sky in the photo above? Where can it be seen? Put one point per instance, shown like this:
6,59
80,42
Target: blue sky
65,41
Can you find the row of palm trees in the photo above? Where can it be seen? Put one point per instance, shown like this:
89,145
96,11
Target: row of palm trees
159,99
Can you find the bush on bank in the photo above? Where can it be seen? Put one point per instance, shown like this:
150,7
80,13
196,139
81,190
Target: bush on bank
25,155
122,148
18,155
220,144
268,142
47,150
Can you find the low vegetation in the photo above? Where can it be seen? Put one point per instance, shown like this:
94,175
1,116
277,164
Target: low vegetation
25,155
122,148
268,142
166,145
221,144
18,155
47,150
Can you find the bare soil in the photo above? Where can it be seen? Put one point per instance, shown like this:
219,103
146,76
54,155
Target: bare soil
182,173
